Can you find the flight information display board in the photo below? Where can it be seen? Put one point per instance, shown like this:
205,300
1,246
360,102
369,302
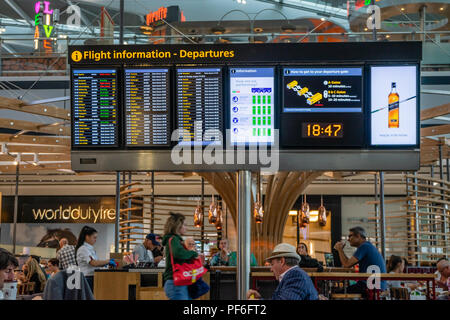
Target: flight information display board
330,89
147,107
199,105
252,110
94,108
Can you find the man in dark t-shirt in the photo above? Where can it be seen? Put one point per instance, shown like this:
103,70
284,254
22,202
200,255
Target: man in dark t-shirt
366,256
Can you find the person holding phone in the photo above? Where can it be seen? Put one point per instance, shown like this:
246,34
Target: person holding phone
86,256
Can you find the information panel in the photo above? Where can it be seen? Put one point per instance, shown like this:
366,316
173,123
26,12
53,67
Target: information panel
393,105
147,107
251,106
94,111
336,89
199,105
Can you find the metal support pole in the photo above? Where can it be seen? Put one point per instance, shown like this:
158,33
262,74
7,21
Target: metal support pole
408,213
244,213
430,211
377,212
117,221
416,222
202,203
374,29
129,213
382,217
448,171
423,13
16,208
444,206
152,210
122,9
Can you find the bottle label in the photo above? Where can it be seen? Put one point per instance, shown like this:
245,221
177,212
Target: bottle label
392,108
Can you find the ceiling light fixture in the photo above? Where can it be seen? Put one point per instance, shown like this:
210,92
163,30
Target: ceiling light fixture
35,160
17,160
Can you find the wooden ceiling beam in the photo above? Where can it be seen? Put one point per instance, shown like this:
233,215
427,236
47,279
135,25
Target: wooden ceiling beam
39,109
37,149
57,128
435,130
434,112
49,140
41,158
31,168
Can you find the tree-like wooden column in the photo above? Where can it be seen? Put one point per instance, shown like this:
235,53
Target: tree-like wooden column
282,191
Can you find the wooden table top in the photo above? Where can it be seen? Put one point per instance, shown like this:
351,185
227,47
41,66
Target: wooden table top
346,275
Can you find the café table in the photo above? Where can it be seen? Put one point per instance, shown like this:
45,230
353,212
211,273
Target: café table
339,276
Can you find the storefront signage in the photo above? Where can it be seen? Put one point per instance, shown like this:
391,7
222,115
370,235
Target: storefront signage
43,18
54,209
169,14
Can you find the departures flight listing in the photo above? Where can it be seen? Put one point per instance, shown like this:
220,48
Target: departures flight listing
199,96
95,107
147,107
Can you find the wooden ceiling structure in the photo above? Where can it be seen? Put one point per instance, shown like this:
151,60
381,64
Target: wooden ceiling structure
41,146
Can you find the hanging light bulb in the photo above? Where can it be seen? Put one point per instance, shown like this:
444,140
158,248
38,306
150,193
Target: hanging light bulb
258,212
305,211
212,213
198,216
219,218
322,213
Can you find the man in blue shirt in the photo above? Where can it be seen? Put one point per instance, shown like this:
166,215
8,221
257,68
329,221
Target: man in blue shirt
295,284
366,256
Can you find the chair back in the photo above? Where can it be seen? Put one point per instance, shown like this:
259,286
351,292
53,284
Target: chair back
399,294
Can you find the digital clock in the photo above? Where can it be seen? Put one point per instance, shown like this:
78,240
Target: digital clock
322,130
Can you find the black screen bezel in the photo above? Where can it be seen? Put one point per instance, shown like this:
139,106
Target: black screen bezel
170,106
175,69
275,103
119,77
369,106
358,142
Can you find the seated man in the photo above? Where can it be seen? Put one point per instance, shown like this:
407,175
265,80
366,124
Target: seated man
366,256
294,284
144,250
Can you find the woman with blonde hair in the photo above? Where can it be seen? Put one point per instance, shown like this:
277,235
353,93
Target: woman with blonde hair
173,230
35,274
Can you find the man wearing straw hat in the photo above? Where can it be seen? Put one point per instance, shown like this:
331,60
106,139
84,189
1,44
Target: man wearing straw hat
294,284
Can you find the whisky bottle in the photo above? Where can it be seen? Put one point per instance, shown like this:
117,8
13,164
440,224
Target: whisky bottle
393,98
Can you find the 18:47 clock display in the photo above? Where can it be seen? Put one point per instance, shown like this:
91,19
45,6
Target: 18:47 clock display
322,130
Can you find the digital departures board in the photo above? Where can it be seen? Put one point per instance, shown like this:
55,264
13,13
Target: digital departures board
251,105
147,107
95,116
199,106
322,89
